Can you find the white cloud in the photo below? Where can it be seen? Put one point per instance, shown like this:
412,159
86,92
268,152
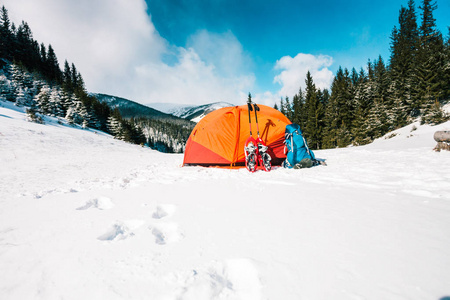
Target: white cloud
117,49
190,80
294,70
223,50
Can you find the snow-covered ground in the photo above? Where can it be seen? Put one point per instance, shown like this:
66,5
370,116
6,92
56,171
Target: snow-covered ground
84,216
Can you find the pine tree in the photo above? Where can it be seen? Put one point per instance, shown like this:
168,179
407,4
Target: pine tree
43,57
297,109
430,67
114,124
363,101
22,97
6,35
43,100
404,46
379,119
339,116
314,109
24,49
282,106
329,139
79,86
55,104
382,95
288,108
5,88
53,72
434,114
16,75
70,113
79,111
446,68
67,78
66,101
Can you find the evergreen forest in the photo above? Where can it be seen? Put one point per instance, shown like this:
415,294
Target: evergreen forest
366,104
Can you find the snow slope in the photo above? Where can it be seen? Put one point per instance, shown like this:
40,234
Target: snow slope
84,216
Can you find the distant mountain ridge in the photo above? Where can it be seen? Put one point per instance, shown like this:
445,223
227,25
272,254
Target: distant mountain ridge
196,113
131,109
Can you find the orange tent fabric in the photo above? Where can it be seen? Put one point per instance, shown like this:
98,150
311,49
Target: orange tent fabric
219,138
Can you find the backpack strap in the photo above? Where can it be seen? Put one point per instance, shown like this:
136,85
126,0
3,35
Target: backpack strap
288,136
306,146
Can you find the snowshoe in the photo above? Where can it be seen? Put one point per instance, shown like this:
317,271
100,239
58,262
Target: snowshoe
250,162
264,157
250,157
266,161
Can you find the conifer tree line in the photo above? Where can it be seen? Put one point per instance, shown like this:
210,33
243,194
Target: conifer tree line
166,136
366,104
30,76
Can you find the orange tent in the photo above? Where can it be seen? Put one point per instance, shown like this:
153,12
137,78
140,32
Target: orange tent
218,139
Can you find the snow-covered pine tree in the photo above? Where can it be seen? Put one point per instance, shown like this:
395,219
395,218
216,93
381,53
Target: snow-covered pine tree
70,113
432,112
84,116
66,101
362,103
79,110
16,75
341,114
55,104
43,100
6,90
114,124
32,116
23,98
385,103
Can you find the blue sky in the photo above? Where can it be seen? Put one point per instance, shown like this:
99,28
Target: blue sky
203,51
351,32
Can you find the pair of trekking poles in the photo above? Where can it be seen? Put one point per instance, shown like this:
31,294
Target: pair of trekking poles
255,149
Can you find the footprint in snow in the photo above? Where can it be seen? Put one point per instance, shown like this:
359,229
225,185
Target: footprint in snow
121,230
102,203
164,210
165,233
231,279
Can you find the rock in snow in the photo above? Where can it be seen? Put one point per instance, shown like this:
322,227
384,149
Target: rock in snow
84,216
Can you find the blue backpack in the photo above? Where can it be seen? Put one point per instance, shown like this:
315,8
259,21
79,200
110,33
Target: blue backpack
296,148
